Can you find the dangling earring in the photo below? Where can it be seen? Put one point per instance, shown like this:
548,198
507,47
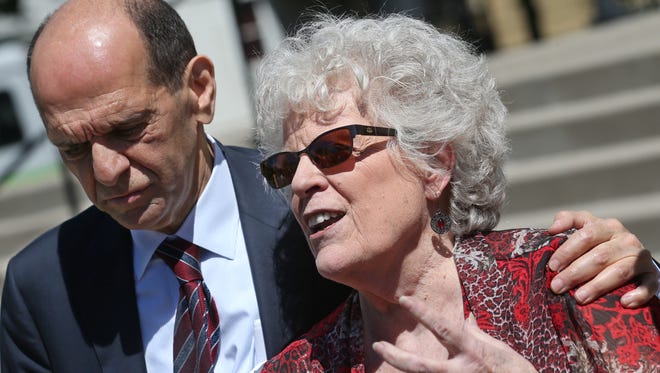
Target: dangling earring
440,222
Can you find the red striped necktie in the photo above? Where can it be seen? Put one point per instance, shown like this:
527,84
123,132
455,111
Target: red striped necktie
197,324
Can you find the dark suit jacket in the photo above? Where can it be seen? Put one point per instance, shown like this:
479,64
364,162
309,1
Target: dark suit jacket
69,304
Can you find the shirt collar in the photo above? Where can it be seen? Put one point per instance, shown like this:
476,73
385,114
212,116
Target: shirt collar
212,224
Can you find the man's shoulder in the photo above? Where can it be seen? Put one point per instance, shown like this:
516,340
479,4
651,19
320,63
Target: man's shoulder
237,149
244,166
250,187
43,251
240,153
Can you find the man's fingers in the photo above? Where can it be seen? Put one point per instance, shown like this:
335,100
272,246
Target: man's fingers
570,219
584,268
591,235
647,289
575,246
623,271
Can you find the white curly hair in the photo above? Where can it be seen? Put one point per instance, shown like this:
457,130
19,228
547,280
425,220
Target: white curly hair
428,85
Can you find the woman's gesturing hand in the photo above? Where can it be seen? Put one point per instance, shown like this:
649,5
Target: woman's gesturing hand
470,349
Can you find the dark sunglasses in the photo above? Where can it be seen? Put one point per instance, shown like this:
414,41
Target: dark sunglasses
327,150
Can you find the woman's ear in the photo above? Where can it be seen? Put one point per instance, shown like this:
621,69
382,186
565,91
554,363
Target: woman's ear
436,182
201,84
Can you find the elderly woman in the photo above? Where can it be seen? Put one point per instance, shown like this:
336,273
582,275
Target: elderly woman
393,138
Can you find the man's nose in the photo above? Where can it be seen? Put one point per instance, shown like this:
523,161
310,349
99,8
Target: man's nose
108,164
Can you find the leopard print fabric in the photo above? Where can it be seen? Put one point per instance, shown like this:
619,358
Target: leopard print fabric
332,345
505,284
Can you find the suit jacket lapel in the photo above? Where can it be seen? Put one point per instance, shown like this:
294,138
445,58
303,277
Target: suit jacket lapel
261,221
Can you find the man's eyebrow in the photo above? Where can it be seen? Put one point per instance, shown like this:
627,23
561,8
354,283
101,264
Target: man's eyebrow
134,118
62,142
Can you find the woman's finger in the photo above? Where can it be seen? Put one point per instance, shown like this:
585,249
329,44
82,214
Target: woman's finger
446,333
406,361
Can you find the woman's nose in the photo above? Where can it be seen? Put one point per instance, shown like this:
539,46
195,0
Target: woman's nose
308,177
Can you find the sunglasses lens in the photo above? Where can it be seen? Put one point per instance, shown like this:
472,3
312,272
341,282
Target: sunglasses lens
332,148
279,169
327,150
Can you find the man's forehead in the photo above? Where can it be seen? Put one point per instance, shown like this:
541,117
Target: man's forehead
100,58
95,37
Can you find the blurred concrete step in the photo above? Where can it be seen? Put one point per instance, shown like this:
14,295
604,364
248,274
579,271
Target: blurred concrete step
32,198
631,167
28,210
639,213
615,56
636,72
18,231
21,229
608,119
585,126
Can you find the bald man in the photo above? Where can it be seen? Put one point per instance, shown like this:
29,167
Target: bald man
124,96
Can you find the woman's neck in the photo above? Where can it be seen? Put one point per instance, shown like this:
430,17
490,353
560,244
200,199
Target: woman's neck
435,281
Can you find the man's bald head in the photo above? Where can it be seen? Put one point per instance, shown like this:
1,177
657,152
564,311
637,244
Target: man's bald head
168,42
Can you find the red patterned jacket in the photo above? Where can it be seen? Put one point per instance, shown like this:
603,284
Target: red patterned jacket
506,285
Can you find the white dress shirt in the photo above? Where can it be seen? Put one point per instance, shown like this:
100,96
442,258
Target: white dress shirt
214,225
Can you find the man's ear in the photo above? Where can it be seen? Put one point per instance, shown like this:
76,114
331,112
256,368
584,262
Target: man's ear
201,83
437,182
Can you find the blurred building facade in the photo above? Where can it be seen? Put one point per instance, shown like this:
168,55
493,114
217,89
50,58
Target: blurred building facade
489,24
579,77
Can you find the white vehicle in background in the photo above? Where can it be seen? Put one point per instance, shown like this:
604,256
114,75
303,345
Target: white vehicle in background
24,149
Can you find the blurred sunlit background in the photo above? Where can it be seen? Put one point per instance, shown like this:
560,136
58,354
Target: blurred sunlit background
581,79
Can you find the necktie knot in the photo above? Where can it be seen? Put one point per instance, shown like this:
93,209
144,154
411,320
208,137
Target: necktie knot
182,257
